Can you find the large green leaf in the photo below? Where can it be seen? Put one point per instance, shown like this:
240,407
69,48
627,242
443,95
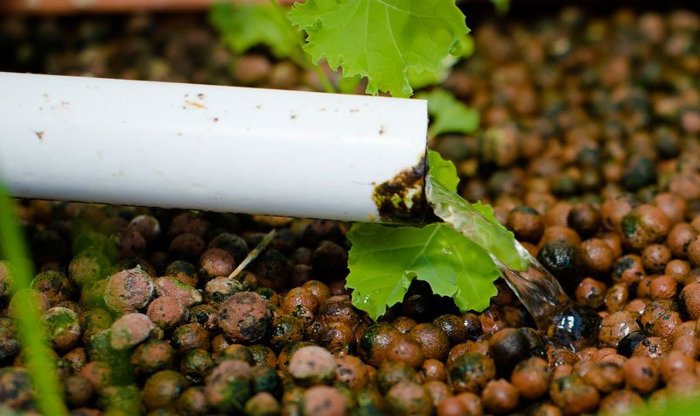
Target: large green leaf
384,260
382,40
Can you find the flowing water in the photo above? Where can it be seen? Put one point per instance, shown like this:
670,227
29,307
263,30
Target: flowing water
539,291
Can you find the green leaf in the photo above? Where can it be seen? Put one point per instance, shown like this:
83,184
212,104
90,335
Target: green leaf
477,222
443,171
449,115
422,79
384,260
349,85
502,6
30,326
245,26
382,40
468,46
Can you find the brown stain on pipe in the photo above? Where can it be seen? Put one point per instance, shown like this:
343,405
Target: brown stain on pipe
107,6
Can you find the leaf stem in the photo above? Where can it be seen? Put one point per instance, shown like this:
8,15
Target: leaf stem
30,326
306,61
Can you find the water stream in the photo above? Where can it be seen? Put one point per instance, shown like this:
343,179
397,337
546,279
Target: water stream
539,291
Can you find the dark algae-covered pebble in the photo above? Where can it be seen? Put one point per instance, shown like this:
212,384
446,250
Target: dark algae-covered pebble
15,387
409,398
312,365
163,388
129,290
392,372
245,317
470,372
563,260
374,343
228,386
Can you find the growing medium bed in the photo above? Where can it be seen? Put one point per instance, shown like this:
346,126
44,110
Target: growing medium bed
587,150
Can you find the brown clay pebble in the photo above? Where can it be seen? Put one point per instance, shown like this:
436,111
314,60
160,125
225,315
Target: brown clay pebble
690,298
531,377
437,390
659,319
78,389
546,409
409,398
597,256
351,371
262,403
15,387
655,257
433,369
166,311
392,372
526,223
300,302
641,374
217,262
218,289
471,372
432,339
472,402
591,293
324,401
451,406
620,402
644,225
190,336
406,349
679,239
584,219
453,327
130,330
663,287
184,293
151,356
404,324
499,397
318,289
605,376
245,317
163,388
375,341
192,402
228,385
628,269
63,328
129,290
676,362
573,395
616,326
312,365
652,347
335,336
694,251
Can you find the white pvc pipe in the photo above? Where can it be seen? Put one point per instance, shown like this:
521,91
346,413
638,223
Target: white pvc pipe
215,148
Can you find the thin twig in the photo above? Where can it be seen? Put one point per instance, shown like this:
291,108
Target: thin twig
262,245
